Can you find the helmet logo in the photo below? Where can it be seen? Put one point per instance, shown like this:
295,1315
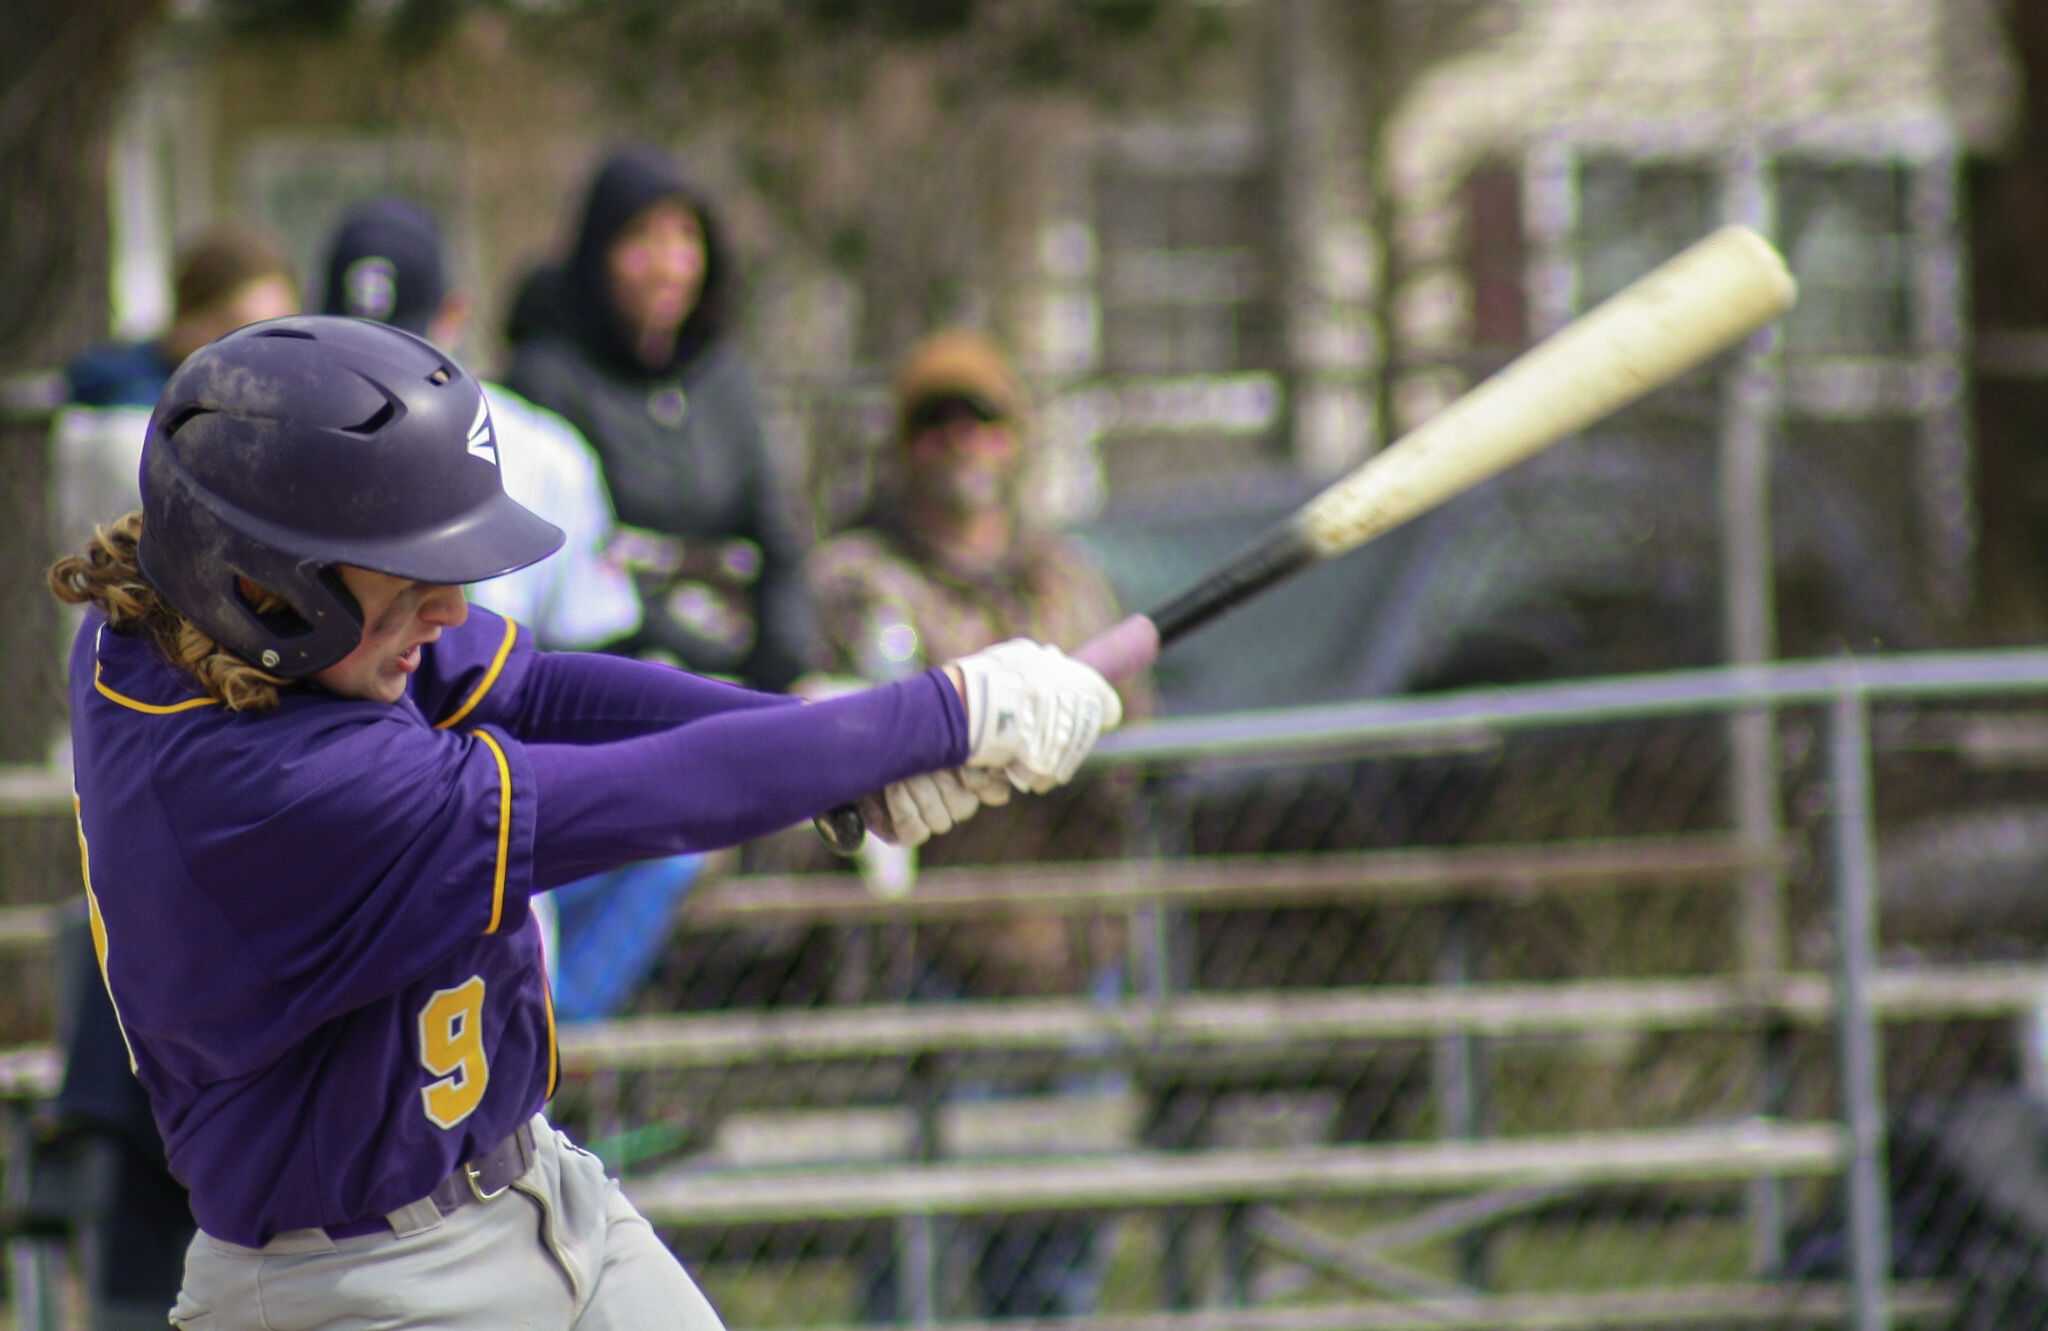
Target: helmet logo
482,438
369,288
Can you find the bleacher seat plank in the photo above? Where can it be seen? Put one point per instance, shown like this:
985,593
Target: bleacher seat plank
30,1072
1919,1303
1940,992
27,928
1257,1024
1132,1180
34,791
1410,874
1085,887
1263,1024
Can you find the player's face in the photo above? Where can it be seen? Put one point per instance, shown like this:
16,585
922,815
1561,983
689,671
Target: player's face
657,267
399,617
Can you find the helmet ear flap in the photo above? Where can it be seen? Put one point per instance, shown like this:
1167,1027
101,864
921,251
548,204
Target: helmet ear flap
295,445
330,578
316,620
282,620
315,623
277,616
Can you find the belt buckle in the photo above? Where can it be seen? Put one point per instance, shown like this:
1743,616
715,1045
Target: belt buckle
469,1172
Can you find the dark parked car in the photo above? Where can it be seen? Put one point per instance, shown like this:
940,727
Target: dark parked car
1600,556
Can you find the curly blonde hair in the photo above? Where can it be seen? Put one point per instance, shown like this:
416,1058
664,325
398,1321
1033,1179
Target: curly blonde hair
108,575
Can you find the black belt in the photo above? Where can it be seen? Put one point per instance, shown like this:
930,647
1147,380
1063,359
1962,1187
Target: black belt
478,1180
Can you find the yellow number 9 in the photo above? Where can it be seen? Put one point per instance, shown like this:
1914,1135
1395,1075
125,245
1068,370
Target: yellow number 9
452,1048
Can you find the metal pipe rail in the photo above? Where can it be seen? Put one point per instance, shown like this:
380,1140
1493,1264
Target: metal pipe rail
1476,717
1468,715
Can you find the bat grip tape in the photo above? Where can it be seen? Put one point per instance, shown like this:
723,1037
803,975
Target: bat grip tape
1284,550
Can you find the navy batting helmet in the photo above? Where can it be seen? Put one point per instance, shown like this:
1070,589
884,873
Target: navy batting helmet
293,445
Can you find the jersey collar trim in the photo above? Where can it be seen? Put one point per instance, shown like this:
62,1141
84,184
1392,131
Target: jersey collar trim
554,1049
504,828
477,695
154,709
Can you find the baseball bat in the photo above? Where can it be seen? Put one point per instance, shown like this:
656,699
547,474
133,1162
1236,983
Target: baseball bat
1688,309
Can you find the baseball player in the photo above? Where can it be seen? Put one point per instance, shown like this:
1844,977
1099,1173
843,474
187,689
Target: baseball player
315,792
385,262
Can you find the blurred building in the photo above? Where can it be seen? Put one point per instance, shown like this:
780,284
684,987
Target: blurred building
1238,243
1547,170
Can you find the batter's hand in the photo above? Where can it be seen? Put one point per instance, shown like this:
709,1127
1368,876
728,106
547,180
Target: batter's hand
1034,712
914,810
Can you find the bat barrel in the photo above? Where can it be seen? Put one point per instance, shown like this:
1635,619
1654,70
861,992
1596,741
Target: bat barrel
1688,309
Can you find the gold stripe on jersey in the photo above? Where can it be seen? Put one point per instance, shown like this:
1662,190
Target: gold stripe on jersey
504,827
547,995
490,677
154,709
98,926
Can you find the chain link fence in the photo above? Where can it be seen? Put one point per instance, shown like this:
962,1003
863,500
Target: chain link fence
1428,1012
1530,1008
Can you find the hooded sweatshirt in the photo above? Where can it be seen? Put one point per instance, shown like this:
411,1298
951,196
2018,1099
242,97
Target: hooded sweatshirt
705,525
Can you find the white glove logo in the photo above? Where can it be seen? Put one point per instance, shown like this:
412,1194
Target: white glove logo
1034,712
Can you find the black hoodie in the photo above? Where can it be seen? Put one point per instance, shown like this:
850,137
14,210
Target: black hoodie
681,443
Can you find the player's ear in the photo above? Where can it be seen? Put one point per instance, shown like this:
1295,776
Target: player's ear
259,599
277,614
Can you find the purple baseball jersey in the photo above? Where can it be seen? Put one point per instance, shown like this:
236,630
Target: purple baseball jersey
314,922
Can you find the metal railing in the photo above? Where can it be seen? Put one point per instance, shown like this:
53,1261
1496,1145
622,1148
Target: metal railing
1843,702
1847,688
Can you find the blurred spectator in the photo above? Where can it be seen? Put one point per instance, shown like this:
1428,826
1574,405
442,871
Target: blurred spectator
627,339
386,262
228,276
945,562
102,1171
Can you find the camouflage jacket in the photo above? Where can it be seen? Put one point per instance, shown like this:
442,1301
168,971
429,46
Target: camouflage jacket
891,606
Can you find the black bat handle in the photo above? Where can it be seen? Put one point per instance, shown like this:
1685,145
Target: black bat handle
842,829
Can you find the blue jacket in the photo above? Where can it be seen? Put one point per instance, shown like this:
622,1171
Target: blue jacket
119,374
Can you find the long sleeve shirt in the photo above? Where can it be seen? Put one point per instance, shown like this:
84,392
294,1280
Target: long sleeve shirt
313,922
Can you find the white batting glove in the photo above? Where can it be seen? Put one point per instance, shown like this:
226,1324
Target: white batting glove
1034,712
912,811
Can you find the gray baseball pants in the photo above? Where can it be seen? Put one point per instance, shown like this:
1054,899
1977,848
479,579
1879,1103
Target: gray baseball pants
562,1250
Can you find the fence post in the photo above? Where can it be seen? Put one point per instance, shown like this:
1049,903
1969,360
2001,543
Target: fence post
1458,1073
917,1236
1855,880
1751,411
1162,961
